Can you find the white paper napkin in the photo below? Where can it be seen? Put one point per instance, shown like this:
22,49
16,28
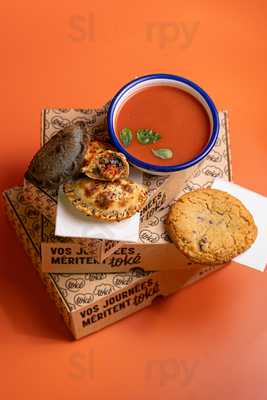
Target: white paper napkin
256,256
72,223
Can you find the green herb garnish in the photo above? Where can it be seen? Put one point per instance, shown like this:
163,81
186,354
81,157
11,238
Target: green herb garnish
147,136
126,136
165,154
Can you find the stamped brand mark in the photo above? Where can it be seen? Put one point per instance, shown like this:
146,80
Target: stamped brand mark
149,237
74,285
214,156
122,280
59,122
103,290
83,298
212,171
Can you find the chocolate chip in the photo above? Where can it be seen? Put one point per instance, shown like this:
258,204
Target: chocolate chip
202,243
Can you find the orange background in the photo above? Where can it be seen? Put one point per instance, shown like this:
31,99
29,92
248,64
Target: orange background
210,340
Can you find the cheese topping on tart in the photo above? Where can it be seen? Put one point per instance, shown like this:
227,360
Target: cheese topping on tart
109,201
103,163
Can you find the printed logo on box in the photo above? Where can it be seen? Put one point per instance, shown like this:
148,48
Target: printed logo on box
132,297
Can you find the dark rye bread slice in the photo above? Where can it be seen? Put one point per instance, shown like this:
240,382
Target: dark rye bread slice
60,159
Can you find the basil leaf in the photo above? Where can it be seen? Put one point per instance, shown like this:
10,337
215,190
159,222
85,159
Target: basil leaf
142,137
156,137
165,154
126,136
147,136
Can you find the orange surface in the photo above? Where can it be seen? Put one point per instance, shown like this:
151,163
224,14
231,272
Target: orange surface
210,340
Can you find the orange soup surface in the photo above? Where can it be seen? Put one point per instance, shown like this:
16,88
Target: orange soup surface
179,119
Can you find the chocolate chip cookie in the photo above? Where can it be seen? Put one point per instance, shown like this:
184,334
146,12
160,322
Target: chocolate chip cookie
210,226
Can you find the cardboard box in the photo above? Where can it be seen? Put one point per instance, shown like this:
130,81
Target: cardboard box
107,253
90,301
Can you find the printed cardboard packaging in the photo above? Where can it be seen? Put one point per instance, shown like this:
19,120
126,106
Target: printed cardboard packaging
152,231
90,301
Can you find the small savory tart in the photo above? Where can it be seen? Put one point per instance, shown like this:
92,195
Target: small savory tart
108,165
108,201
93,150
102,162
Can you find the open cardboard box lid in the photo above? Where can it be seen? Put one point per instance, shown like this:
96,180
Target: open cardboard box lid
90,301
162,190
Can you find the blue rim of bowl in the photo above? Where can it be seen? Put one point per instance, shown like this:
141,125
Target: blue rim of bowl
163,168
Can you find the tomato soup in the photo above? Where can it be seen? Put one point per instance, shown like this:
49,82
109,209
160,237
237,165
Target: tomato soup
178,122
